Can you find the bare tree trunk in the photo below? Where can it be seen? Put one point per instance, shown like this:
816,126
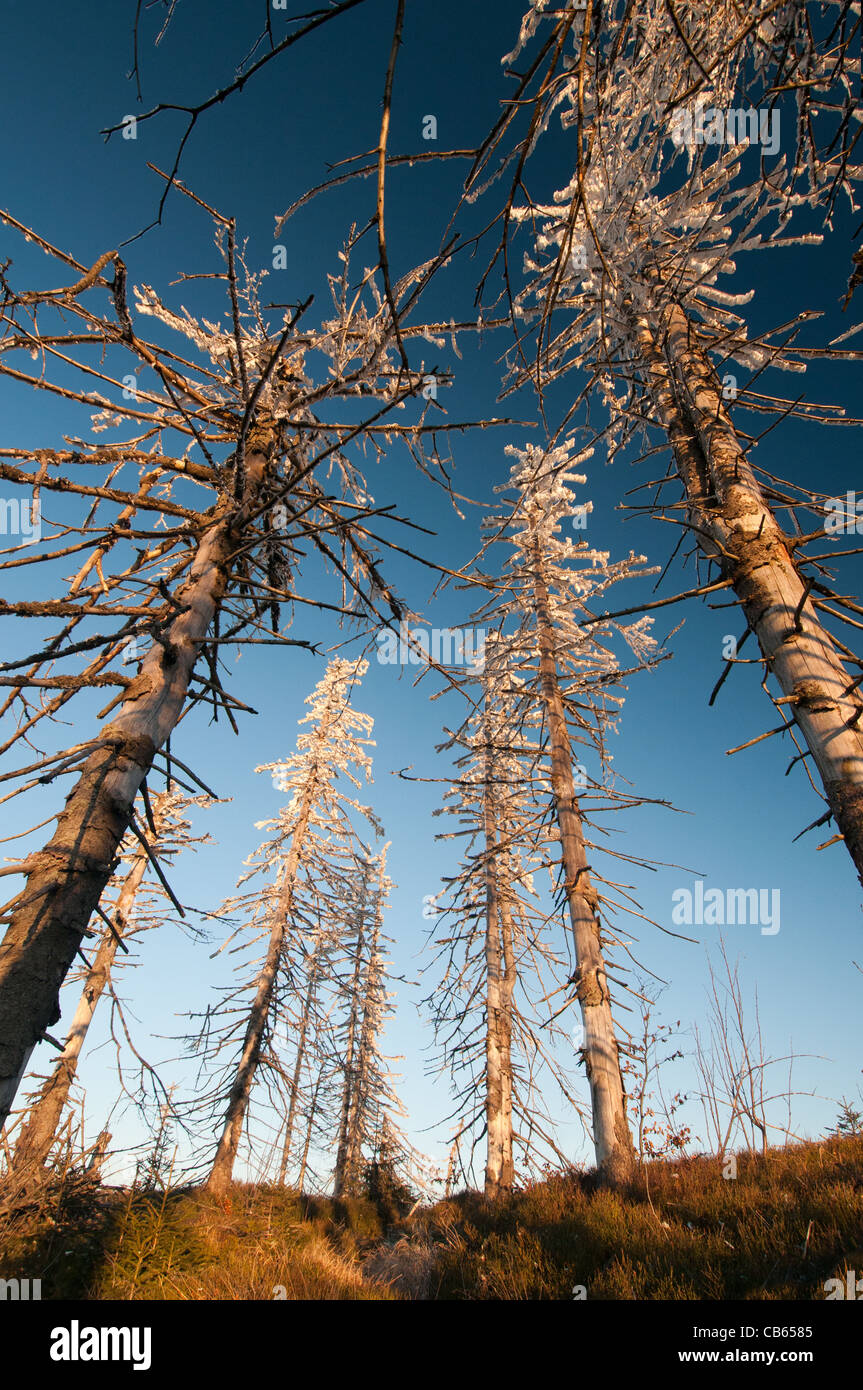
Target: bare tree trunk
65,880
341,1171
298,1066
238,1100
493,1060
359,1090
312,1112
735,527
615,1156
37,1135
450,1169
507,1164
498,1024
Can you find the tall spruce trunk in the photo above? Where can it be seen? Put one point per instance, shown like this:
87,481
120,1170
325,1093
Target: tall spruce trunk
507,1164
298,1066
341,1174
37,1136
499,1172
65,880
308,1140
736,528
238,1100
615,1155
359,1090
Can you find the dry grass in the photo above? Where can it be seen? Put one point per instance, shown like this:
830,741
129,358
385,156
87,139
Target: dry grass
408,1266
53,1230
261,1243
789,1221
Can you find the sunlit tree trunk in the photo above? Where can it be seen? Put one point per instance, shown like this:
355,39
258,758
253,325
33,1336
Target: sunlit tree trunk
498,1024
360,1090
736,528
298,1067
507,1163
65,880
615,1155
309,1127
238,1101
341,1174
39,1131
308,862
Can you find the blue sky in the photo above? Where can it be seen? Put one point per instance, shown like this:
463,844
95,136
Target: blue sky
251,158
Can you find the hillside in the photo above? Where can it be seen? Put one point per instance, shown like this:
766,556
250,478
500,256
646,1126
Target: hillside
792,1219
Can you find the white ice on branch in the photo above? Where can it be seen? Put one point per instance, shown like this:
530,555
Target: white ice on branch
656,203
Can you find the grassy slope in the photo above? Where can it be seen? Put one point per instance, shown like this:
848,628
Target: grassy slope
688,1234
788,1222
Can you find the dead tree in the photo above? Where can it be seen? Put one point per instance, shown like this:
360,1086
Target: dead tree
353,992
39,1130
315,965
623,283
307,1143
552,585
368,1099
497,964
170,833
187,548
500,970
728,510
563,683
313,837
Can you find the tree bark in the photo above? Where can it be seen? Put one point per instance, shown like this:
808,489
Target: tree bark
238,1100
298,1066
615,1155
507,1163
65,880
359,1090
498,1022
37,1136
735,526
307,1145
340,1176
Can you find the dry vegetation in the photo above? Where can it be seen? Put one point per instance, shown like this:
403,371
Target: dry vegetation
104,1243
790,1220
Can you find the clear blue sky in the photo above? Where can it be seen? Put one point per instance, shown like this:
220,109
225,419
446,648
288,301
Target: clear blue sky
65,79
